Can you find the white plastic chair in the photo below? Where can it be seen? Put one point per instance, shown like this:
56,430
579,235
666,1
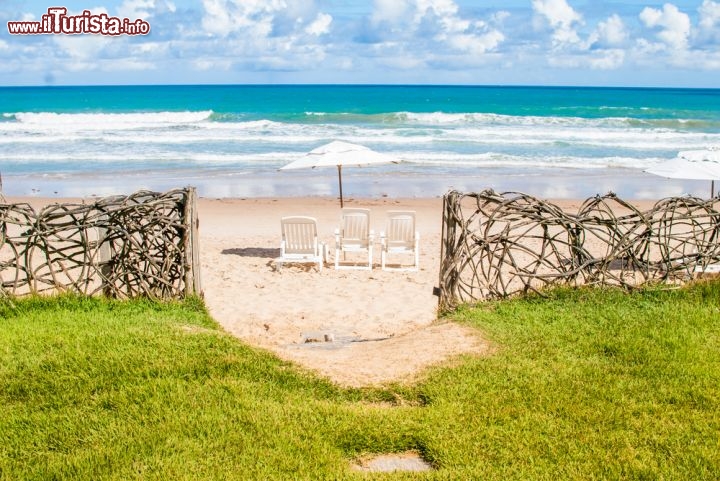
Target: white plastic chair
354,235
400,237
299,243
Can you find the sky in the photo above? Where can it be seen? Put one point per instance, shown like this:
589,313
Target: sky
510,42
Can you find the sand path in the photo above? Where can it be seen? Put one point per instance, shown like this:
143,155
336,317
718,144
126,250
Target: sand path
384,324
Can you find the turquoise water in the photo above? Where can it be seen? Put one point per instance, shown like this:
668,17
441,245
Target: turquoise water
231,140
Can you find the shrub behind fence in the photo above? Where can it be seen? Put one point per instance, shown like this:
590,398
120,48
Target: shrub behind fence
144,244
497,245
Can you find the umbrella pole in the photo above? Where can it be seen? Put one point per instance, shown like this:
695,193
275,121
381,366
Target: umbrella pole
340,184
712,189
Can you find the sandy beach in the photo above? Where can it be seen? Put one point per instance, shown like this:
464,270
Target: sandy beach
384,323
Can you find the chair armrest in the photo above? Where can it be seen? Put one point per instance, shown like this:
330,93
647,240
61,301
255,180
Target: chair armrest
337,236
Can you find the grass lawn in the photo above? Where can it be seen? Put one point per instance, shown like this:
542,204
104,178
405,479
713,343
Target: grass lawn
585,384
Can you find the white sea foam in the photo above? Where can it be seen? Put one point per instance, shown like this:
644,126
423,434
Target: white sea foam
205,145
500,160
112,121
481,130
500,119
273,160
298,138
492,119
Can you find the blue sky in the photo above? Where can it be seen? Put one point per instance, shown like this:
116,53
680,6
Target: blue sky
510,42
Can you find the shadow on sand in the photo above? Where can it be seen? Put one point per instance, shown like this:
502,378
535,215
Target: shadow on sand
253,252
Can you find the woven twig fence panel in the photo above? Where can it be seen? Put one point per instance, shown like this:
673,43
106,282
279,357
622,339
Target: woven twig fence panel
498,245
144,244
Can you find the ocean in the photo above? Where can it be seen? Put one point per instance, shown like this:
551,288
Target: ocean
230,140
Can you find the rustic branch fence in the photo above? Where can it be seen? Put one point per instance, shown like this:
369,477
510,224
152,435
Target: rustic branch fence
144,244
497,245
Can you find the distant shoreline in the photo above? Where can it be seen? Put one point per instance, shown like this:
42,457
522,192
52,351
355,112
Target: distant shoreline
366,184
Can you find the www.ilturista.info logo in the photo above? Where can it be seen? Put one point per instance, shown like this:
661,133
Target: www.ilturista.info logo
57,21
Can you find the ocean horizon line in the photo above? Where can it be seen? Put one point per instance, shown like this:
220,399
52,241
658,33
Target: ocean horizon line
379,85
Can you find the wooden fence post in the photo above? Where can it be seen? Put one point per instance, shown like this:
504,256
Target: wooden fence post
438,291
447,250
103,255
193,285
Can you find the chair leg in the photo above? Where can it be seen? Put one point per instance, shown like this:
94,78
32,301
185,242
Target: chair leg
417,251
337,248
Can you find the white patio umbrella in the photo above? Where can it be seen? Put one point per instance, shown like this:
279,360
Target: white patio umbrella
338,154
691,164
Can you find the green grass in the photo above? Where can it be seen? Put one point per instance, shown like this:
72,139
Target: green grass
586,384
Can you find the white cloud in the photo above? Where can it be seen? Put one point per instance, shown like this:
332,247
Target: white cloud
611,32
646,49
151,48
133,9
707,60
609,59
320,26
257,20
562,18
708,32
144,9
558,13
128,65
389,10
474,44
599,59
430,25
445,9
212,64
674,25
402,61
500,15
265,34
83,47
222,17
709,14
601,49
251,17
